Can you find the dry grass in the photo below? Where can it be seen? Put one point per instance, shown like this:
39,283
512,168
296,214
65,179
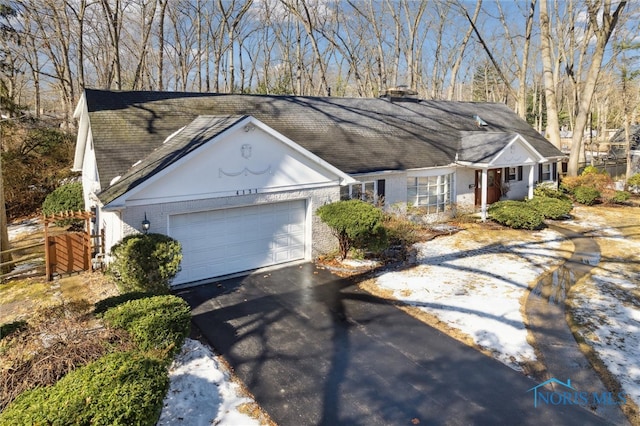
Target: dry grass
55,341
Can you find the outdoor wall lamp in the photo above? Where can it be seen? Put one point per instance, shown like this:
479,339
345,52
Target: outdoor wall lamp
145,224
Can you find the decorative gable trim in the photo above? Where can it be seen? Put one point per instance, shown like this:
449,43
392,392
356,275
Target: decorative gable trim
244,124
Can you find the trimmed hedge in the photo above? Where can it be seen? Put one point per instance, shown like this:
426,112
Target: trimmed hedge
356,224
122,388
516,214
111,302
64,198
548,191
159,323
145,263
550,208
621,197
587,195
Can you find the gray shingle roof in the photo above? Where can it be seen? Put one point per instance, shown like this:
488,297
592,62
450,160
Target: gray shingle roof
194,135
620,138
356,135
478,147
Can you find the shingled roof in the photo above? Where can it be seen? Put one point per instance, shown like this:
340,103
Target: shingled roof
356,135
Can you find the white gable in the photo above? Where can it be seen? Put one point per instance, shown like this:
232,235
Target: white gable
243,160
517,153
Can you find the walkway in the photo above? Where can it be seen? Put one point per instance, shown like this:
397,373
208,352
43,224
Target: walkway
545,310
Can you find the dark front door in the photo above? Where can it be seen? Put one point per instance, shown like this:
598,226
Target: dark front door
494,178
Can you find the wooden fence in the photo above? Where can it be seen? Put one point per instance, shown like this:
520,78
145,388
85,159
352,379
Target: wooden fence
64,252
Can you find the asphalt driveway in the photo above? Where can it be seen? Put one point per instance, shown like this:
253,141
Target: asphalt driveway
314,349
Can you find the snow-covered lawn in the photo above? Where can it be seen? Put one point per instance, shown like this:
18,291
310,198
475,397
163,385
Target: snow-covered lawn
477,287
607,306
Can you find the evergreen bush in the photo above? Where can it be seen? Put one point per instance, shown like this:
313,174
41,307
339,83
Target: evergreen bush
550,208
620,197
516,214
549,192
145,262
586,195
159,323
356,224
67,197
121,388
634,182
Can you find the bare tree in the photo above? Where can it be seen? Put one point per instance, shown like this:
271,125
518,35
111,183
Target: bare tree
461,51
113,18
602,21
550,78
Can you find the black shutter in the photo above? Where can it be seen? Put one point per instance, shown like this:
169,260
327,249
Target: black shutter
519,172
381,191
506,174
554,172
539,173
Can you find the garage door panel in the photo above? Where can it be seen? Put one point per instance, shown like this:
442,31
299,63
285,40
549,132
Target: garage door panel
221,242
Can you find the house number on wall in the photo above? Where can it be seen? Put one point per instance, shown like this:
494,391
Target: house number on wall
246,191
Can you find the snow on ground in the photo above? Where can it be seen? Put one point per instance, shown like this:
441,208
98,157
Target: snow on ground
474,287
607,306
477,288
201,392
27,226
612,327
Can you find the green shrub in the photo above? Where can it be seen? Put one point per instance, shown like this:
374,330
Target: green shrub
587,195
516,214
356,224
145,263
550,208
65,198
634,181
156,323
620,197
549,191
111,302
590,170
122,388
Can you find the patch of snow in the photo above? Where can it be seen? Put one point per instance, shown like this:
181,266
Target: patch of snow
201,392
476,288
359,263
612,317
28,226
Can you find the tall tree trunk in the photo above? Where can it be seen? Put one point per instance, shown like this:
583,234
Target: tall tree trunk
602,33
163,11
4,235
553,124
522,77
457,64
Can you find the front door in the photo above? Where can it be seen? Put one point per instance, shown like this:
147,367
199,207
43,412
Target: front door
494,178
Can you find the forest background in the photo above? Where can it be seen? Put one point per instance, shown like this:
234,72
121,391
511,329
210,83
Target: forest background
567,67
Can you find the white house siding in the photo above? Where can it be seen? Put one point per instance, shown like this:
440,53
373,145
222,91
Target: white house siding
319,238
465,189
395,197
519,189
113,230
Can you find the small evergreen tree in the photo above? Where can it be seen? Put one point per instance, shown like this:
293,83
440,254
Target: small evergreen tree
355,223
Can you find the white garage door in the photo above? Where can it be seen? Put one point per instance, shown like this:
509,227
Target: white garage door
221,242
